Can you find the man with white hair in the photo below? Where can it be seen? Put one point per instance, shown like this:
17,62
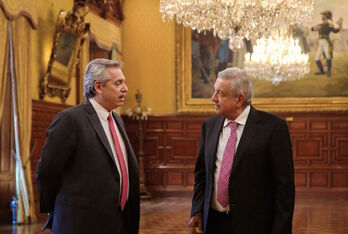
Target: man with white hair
244,175
87,176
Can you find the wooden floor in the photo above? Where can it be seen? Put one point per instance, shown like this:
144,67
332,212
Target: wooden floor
319,213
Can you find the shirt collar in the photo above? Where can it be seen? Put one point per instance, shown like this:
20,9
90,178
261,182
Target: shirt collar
101,111
241,119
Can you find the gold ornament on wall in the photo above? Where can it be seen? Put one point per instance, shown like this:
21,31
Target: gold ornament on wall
71,29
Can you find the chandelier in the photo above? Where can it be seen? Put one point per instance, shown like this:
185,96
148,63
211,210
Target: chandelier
237,18
277,59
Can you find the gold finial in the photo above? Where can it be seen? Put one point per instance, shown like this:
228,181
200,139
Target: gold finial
138,97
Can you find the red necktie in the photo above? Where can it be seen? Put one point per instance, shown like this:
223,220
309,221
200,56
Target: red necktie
121,161
226,166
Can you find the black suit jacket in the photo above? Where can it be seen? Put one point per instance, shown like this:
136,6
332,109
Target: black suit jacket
78,180
261,186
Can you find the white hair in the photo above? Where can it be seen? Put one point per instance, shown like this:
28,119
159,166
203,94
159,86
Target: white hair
241,82
97,70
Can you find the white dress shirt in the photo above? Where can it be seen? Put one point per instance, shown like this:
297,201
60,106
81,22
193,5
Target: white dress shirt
224,135
103,117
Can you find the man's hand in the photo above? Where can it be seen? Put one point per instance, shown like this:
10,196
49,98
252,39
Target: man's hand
195,224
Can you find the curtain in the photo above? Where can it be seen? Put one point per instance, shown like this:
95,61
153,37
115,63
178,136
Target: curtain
21,39
3,58
19,17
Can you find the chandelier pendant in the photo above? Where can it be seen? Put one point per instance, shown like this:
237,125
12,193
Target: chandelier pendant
244,18
277,59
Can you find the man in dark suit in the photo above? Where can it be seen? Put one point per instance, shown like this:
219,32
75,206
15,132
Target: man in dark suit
87,176
244,175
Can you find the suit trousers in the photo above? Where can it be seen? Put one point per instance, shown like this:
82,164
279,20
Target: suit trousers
122,226
219,222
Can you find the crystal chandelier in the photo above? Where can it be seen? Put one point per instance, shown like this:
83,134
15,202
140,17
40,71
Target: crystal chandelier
237,18
277,59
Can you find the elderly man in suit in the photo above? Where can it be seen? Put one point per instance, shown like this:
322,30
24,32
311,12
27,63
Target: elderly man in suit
244,175
87,176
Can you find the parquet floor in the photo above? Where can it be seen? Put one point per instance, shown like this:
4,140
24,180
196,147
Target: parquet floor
319,214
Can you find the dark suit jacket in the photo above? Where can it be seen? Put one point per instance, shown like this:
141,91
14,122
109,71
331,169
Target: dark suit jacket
261,186
77,177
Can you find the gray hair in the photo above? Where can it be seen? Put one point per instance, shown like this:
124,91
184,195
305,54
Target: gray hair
97,70
241,82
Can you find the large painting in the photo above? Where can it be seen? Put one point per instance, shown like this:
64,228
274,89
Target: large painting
200,56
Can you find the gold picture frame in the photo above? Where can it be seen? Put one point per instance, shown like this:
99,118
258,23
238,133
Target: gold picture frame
187,104
71,29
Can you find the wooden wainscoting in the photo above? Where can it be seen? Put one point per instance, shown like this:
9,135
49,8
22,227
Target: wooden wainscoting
171,145
43,114
7,162
320,146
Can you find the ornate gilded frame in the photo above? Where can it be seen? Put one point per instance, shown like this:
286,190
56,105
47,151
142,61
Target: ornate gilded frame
70,31
186,104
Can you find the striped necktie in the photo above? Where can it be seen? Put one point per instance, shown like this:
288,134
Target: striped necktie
226,166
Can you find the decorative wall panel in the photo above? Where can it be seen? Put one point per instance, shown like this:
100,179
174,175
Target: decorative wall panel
339,180
43,114
7,162
171,145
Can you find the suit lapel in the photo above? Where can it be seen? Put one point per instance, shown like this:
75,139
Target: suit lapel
94,119
251,127
213,141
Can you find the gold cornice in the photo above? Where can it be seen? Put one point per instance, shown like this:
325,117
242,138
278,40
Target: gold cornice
106,34
13,9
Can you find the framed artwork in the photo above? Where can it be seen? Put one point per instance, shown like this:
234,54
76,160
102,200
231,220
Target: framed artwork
200,56
71,30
